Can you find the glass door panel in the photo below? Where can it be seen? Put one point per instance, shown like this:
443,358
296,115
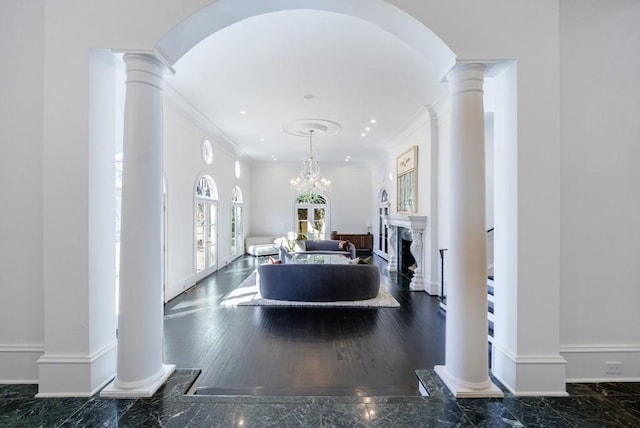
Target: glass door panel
236,229
211,236
200,237
319,223
302,223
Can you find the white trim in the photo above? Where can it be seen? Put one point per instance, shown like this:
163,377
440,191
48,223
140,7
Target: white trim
19,363
462,389
567,349
432,288
93,392
76,375
215,134
10,348
420,119
179,288
530,375
589,363
381,254
78,359
603,379
144,388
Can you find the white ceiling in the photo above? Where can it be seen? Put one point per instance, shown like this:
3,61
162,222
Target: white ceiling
350,71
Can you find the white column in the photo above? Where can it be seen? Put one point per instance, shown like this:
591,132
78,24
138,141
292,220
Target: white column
140,370
466,361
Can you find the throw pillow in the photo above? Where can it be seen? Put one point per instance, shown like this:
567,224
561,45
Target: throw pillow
296,246
343,245
366,261
299,246
355,261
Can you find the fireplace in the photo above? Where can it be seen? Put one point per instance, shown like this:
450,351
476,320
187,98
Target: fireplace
406,243
406,261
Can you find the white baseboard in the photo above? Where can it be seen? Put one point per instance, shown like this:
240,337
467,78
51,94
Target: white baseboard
533,375
76,375
592,363
19,363
182,286
177,289
381,254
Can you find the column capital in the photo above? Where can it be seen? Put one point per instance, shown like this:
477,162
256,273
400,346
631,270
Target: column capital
144,67
465,77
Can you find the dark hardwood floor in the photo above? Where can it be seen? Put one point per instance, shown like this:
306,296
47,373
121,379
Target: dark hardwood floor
301,351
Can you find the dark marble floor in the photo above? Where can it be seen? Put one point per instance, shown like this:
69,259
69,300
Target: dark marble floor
588,405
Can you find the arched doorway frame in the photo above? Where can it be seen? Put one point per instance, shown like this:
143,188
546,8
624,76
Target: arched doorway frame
223,13
179,40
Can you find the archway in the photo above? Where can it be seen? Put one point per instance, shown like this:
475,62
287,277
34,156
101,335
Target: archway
393,20
223,13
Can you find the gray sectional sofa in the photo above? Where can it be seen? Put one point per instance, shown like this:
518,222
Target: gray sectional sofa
319,282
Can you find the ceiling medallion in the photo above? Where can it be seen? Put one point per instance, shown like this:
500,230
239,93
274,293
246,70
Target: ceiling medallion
304,127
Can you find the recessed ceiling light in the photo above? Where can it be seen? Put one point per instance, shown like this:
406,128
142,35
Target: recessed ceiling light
262,140
309,96
373,121
363,134
243,112
368,128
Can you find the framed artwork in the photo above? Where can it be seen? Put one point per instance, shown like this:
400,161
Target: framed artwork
407,179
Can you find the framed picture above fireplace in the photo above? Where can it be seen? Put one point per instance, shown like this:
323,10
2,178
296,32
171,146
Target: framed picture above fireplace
407,180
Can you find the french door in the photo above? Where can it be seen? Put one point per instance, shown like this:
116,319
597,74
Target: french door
206,236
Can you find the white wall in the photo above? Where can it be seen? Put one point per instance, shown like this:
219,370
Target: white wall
600,293
272,199
21,274
423,133
183,165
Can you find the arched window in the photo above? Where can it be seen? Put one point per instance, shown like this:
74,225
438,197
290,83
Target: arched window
236,221
383,229
312,216
206,216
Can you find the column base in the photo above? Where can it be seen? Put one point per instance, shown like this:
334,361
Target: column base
461,389
139,390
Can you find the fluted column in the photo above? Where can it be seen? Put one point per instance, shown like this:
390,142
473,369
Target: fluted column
140,369
466,362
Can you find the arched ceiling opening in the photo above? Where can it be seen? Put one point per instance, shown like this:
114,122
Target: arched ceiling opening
256,70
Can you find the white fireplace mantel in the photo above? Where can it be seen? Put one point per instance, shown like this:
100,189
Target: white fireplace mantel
407,221
416,225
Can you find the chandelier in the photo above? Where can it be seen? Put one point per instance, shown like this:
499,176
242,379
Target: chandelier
309,180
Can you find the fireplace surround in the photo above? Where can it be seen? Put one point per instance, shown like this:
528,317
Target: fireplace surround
409,229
